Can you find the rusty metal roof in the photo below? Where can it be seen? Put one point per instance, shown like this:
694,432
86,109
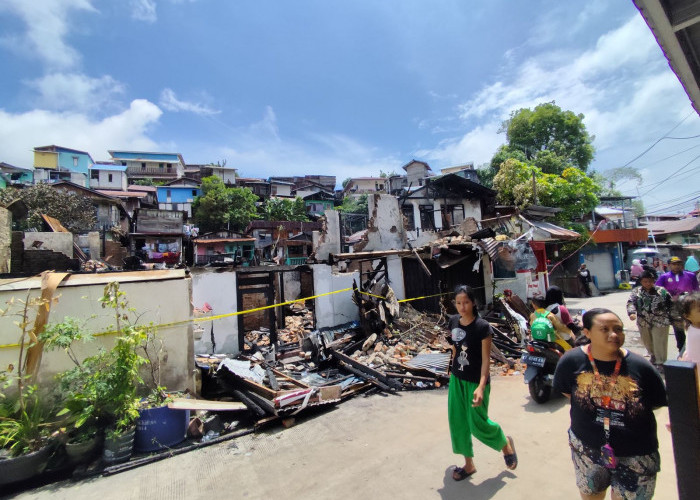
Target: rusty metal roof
688,225
555,232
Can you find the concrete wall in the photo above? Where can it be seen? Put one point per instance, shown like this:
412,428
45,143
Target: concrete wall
338,308
292,286
218,288
158,296
5,240
95,245
58,242
395,271
385,230
328,242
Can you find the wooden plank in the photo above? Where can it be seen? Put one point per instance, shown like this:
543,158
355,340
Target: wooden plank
203,404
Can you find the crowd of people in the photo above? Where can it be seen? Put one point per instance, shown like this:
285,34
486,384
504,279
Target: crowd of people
613,392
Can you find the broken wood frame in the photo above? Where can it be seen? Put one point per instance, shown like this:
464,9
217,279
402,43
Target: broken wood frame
269,281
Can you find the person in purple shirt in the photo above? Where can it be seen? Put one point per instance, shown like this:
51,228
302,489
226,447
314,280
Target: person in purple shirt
678,282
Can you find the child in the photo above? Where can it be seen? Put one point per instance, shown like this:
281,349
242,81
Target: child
564,336
650,306
690,309
468,396
613,394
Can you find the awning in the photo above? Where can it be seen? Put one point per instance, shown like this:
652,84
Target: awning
546,231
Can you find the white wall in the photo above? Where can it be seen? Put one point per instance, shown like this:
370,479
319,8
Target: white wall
158,296
218,288
118,180
324,244
58,242
385,230
395,272
338,308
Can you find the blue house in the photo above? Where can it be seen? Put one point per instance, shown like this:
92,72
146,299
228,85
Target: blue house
13,176
178,195
56,163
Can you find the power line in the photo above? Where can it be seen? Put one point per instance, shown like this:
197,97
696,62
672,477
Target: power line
672,200
656,184
685,202
658,140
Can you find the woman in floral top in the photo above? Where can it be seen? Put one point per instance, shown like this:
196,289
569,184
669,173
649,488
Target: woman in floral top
650,306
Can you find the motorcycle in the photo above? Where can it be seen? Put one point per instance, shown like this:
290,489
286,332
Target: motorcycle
541,360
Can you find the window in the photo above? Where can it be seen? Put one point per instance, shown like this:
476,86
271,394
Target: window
427,221
194,192
94,175
75,161
168,194
452,215
161,166
170,167
109,177
143,165
407,211
123,164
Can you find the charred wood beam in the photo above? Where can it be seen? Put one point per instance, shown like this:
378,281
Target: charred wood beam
266,405
255,409
410,377
366,370
369,378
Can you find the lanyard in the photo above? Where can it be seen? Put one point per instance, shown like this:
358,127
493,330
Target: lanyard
607,398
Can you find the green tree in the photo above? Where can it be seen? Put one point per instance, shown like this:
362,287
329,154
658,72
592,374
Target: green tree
572,191
548,128
353,205
75,212
221,207
280,209
345,182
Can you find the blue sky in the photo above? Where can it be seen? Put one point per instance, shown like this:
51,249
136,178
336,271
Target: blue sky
339,88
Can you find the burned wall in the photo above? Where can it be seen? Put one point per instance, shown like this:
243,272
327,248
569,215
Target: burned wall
327,241
5,240
216,288
337,308
385,230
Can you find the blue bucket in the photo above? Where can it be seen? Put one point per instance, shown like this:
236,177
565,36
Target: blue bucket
159,428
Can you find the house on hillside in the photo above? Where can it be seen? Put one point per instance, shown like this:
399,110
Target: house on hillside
317,197
358,186
109,210
224,248
11,175
178,195
443,202
281,189
286,242
227,175
56,163
157,235
259,187
147,165
679,232
105,175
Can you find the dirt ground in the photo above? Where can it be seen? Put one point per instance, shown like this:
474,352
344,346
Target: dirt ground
378,447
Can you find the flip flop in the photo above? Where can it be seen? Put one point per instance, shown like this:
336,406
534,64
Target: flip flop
459,473
512,458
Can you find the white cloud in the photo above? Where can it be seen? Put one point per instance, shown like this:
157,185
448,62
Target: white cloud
478,145
260,149
169,101
621,85
76,92
144,10
21,132
47,26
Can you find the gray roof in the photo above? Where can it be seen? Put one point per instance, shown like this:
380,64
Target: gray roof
689,225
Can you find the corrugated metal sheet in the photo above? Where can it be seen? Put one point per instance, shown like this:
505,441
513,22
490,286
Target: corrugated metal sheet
674,226
556,232
490,246
436,363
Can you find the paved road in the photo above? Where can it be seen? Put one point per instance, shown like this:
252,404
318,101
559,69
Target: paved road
377,447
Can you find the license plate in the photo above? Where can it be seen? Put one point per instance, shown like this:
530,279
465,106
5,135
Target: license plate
533,360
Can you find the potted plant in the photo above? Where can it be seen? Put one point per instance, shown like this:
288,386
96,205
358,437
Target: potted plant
24,424
76,393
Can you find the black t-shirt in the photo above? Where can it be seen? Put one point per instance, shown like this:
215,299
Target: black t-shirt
639,389
467,340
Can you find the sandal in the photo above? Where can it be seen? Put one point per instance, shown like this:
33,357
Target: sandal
512,458
460,473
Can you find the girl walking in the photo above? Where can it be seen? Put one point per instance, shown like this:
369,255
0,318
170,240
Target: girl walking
468,397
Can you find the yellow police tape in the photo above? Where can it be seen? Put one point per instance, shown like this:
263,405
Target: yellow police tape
248,311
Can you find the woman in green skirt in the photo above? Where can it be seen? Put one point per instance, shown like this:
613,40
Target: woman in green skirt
468,397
